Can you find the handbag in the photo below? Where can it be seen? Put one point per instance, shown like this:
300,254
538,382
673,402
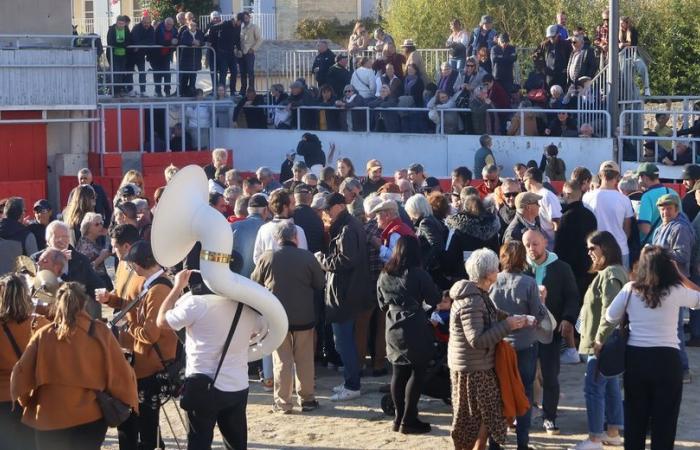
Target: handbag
538,95
611,360
114,411
199,393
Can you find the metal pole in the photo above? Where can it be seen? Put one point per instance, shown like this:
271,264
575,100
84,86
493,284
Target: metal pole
613,64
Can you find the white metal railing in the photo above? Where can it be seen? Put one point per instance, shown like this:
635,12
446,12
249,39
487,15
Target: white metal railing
158,121
266,21
98,25
648,148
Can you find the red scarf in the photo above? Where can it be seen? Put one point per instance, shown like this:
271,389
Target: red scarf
396,226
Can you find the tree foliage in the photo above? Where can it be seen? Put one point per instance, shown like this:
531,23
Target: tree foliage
668,29
160,9
331,29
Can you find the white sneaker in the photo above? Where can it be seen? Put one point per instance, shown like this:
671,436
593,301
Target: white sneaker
615,441
588,445
345,394
570,356
339,388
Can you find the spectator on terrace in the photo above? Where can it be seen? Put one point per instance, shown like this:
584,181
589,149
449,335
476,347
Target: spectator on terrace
448,76
457,42
483,122
299,96
389,56
415,58
691,181
381,40
176,142
662,129
556,98
451,120
118,38
353,120
199,121
683,155
581,63
252,116
586,131
328,120
601,38
251,40
561,26
563,125
190,57
141,34
483,55
391,79
530,127
499,98
359,40
323,62
503,57
555,52
483,36
385,120
363,78
339,75
471,78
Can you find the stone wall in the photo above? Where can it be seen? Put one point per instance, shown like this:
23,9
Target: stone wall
35,17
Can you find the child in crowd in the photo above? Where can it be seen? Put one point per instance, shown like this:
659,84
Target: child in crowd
440,318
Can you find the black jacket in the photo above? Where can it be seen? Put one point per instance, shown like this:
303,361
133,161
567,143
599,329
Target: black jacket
347,271
224,36
15,231
562,294
338,77
369,186
386,120
556,58
112,39
589,66
141,35
577,222
432,235
409,336
255,117
312,225
190,56
309,147
103,206
503,60
359,121
307,116
470,233
505,215
323,62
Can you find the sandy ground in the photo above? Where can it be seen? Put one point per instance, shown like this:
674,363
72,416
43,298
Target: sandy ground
360,424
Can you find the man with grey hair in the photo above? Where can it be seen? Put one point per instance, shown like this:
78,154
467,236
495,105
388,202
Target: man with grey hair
240,209
267,180
294,276
103,206
351,189
582,62
245,232
323,61
527,216
507,211
166,36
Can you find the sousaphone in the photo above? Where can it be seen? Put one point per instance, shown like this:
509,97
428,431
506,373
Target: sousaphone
42,284
183,218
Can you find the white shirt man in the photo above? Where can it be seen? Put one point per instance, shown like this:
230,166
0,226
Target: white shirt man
265,240
550,207
612,209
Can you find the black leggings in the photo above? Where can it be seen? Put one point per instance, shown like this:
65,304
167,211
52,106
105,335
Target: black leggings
82,437
229,413
13,433
653,392
406,385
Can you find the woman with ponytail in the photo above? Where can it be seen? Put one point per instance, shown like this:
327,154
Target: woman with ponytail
60,371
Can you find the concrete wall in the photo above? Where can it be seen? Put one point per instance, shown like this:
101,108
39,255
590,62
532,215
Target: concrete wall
438,154
35,17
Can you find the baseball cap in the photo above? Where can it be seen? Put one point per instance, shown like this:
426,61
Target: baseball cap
299,165
385,205
415,167
129,209
257,201
303,188
647,169
296,85
690,172
429,184
669,199
609,165
486,19
373,164
42,205
128,190
552,31
319,200
340,57
333,200
526,198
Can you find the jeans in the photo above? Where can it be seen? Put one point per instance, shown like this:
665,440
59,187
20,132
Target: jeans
226,62
231,418
603,399
247,71
527,366
345,346
267,367
549,364
406,385
118,64
161,64
653,391
140,431
681,336
82,437
137,60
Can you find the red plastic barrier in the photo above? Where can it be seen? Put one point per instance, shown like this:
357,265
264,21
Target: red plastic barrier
130,130
22,148
29,190
155,163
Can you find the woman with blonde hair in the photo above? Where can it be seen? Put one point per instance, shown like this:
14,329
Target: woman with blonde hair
81,201
18,324
359,39
62,368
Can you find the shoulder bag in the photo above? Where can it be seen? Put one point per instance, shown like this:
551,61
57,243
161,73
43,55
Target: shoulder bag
611,360
114,411
199,393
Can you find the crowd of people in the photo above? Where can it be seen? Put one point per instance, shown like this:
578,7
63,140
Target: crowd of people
356,88
377,275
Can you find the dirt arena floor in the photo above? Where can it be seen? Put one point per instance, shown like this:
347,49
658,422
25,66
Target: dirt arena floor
360,424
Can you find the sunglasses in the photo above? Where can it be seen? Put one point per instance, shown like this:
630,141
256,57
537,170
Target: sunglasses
511,194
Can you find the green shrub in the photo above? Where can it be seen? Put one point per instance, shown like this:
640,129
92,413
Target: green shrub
331,29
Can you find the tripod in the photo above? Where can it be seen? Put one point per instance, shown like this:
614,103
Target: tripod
170,424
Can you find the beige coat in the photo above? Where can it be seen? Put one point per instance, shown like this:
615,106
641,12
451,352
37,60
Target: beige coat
250,38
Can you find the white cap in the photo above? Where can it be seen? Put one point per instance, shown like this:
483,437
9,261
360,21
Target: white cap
552,31
215,15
